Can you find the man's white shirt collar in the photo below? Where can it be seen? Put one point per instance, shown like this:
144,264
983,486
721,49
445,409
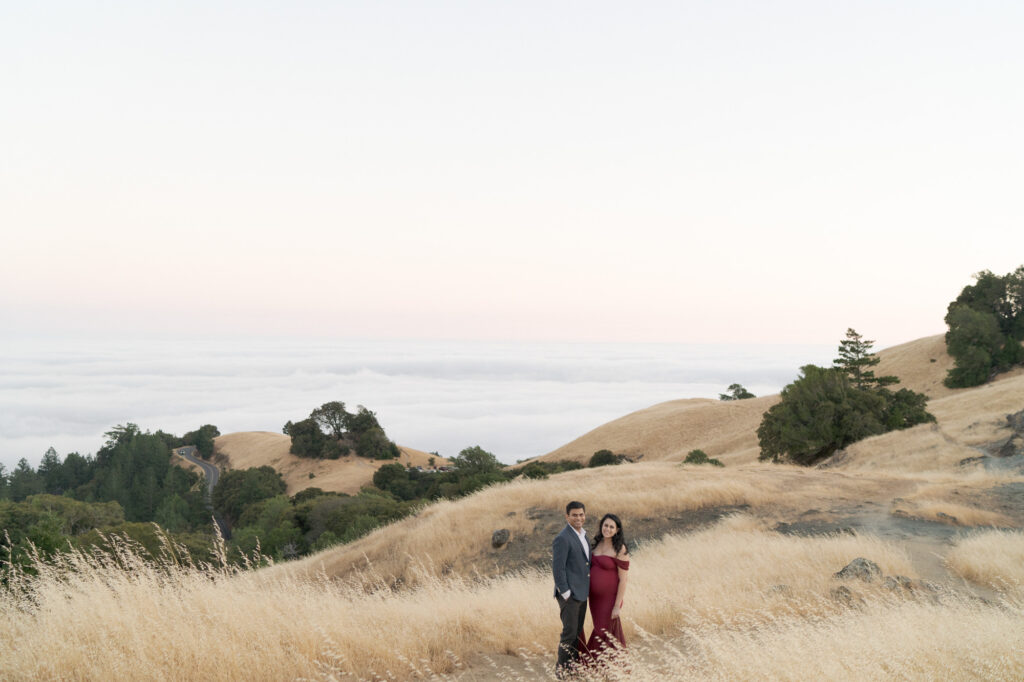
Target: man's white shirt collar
582,534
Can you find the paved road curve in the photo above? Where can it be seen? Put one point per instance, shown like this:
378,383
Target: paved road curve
212,475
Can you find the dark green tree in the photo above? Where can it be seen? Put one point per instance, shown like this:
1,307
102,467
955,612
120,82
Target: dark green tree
332,418
475,460
51,473
856,359
819,413
5,491
307,439
822,412
24,481
202,439
240,488
374,444
986,327
362,421
394,478
736,392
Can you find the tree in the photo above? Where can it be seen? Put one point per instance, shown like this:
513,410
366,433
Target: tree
475,460
604,458
819,413
307,438
374,444
332,418
822,412
51,473
238,489
362,421
986,327
24,481
855,359
202,439
394,478
4,486
736,392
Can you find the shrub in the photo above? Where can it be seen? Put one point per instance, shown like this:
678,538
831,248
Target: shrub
605,458
701,457
534,470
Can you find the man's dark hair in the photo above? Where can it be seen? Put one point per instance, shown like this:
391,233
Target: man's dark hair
574,505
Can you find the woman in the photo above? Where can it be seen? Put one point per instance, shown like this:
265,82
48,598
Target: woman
608,573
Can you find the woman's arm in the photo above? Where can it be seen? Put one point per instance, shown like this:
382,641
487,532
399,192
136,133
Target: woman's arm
623,576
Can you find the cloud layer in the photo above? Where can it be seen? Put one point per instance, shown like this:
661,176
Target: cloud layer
514,399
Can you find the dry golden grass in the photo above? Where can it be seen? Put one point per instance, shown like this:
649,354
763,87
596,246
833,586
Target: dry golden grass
726,430
967,418
455,536
248,449
710,601
992,558
921,365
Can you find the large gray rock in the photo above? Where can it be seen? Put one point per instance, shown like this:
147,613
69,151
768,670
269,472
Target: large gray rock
860,568
500,537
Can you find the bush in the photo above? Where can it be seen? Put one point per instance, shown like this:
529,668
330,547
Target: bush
605,458
534,470
701,457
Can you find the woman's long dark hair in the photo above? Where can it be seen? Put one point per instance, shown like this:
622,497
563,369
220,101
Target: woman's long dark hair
618,540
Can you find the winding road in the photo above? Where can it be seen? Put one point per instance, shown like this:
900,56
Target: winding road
212,474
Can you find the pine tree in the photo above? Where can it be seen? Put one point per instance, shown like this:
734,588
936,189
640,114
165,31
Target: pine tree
855,359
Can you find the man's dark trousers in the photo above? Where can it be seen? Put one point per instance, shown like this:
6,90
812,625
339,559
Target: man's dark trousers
573,613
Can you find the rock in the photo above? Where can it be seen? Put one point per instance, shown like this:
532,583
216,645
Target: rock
897,582
943,516
500,537
861,568
844,595
783,590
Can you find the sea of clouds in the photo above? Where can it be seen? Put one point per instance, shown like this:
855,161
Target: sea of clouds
516,400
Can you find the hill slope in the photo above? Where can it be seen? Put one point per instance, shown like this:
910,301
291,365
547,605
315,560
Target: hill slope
728,430
248,449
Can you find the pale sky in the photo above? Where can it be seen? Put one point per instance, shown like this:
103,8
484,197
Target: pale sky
650,171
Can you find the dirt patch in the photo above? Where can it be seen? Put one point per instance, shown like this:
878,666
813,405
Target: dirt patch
1008,500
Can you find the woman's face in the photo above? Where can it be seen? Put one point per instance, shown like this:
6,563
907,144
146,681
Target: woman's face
609,528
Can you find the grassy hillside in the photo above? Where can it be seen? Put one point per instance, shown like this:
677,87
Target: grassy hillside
728,430
733,571
249,449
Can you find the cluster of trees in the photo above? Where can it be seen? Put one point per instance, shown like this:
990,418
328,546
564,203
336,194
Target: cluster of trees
266,521
127,486
331,432
986,327
826,409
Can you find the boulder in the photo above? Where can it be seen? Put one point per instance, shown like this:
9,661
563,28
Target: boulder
860,568
500,537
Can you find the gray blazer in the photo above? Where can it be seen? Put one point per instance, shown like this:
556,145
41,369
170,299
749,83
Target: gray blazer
570,565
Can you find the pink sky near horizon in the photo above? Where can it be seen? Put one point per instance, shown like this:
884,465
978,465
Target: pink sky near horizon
706,172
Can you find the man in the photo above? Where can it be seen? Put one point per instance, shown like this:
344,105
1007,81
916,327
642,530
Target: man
570,565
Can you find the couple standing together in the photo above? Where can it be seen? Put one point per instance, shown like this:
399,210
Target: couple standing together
596,571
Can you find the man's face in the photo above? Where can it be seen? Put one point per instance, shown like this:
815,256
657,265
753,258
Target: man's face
575,518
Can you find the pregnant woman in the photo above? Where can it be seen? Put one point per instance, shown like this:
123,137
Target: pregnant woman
608,573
